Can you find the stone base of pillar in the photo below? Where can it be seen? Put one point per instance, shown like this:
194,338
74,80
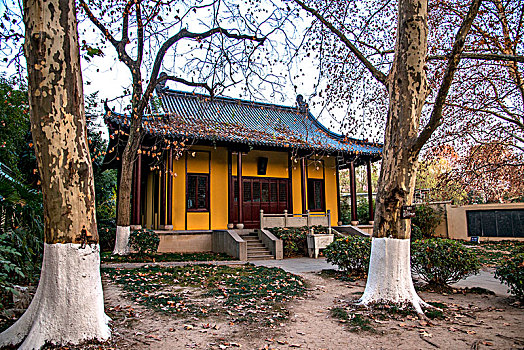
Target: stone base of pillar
135,227
168,227
372,222
354,223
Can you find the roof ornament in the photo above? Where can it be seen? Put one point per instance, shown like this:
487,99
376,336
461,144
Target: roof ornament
161,85
302,105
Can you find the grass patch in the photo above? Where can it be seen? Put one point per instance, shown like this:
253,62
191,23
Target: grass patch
434,314
356,321
108,257
341,276
244,293
494,253
438,304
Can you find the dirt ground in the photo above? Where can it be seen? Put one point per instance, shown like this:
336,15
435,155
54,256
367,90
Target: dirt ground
476,322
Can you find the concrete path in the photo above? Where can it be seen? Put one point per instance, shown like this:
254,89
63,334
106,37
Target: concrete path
485,279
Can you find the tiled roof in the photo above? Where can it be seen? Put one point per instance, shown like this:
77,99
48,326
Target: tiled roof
181,114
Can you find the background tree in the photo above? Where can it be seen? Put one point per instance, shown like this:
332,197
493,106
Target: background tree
68,304
221,52
358,39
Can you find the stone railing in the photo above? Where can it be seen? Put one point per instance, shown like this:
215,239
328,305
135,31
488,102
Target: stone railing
295,220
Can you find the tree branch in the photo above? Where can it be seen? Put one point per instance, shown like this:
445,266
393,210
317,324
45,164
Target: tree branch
186,82
185,34
381,77
454,58
482,56
118,45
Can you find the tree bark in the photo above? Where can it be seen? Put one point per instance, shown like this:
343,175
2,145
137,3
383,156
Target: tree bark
68,304
389,277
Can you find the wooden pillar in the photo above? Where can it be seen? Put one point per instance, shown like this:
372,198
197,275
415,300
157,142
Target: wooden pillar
137,191
303,165
339,214
370,193
169,223
163,192
353,185
240,189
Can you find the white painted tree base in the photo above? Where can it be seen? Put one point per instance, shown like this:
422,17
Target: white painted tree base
389,277
68,306
122,240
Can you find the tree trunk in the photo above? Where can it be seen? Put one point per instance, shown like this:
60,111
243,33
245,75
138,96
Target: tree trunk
389,276
124,187
68,304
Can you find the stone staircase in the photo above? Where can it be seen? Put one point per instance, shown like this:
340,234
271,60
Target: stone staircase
256,250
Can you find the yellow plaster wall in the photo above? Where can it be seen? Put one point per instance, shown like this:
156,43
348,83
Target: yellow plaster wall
315,168
296,187
198,221
219,189
276,164
198,161
178,208
325,169
331,188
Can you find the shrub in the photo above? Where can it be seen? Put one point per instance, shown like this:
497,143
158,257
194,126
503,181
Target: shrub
144,241
426,219
441,262
350,254
294,239
512,274
416,233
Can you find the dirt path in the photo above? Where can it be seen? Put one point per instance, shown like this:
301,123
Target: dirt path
480,322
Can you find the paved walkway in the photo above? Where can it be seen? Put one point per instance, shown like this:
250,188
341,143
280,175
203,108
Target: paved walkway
485,279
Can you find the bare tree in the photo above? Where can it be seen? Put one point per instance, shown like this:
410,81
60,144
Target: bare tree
221,53
362,45
68,305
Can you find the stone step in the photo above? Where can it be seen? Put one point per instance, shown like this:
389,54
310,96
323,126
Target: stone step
255,244
258,251
260,257
250,238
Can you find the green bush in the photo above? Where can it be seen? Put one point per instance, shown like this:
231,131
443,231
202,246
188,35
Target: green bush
144,241
441,262
350,254
416,233
294,239
427,220
512,274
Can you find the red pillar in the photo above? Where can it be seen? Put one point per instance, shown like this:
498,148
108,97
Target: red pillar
370,192
240,189
163,192
169,223
353,185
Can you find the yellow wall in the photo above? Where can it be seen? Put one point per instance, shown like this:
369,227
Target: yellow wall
214,161
219,189
330,172
296,187
178,208
277,165
325,168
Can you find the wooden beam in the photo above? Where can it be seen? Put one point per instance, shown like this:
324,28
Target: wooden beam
339,213
138,193
353,185
370,191
240,189
170,190
163,192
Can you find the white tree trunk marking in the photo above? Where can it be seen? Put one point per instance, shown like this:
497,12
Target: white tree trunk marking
69,286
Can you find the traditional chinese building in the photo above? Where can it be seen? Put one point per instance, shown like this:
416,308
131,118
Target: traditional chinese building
206,163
